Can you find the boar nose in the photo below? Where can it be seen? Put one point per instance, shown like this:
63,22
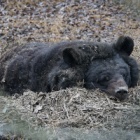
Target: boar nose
121,92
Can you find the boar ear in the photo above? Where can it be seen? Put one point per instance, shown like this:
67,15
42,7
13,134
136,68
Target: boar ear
124,44
71,56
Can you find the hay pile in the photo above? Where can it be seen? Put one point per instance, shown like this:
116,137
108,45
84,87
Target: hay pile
80,108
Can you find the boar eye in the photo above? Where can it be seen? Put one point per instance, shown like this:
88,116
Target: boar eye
124,74
104,79
56,80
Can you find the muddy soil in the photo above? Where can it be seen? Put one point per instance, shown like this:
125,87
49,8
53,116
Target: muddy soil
74,113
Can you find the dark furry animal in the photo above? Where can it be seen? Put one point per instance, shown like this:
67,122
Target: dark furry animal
44,67
115,74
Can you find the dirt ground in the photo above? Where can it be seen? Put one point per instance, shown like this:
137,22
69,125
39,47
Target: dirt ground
75,108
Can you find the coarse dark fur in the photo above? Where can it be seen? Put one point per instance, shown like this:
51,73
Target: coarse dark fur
44,67
115,74
41,67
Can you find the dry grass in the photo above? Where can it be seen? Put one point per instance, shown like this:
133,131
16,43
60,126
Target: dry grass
70,109
80,108
45,21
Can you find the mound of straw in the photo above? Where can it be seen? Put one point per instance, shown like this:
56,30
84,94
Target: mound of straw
80,108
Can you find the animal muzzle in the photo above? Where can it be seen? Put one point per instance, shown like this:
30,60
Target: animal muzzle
118,88
121,92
